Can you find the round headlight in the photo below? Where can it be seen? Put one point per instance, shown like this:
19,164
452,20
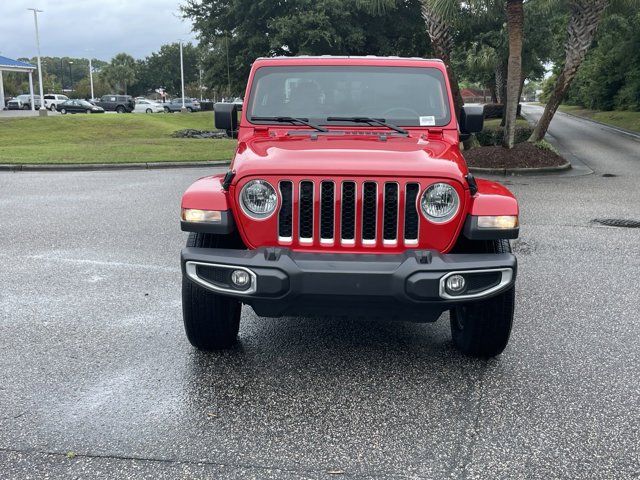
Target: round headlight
258,199
439,202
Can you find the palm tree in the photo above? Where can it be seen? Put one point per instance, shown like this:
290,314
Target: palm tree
121,71
438,15
581,29
515,26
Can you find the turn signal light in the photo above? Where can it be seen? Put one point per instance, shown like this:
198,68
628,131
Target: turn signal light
499,222
201,216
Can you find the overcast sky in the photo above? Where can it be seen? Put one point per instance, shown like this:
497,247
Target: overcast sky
105,27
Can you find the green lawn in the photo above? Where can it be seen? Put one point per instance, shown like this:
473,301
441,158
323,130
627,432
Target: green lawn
617,118
108,138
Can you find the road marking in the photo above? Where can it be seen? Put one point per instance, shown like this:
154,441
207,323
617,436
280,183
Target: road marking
100,263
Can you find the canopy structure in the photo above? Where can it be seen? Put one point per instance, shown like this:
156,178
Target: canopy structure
10,65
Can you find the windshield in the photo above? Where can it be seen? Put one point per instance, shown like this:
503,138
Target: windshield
410,96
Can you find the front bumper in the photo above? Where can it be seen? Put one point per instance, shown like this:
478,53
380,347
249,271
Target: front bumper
409,285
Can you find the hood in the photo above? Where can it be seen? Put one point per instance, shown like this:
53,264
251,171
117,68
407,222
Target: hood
350,155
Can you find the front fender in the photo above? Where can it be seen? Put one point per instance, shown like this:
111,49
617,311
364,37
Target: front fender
493,198
207,193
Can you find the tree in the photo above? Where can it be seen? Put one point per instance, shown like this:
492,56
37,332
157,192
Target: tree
233,33
515,26
581,29
437,15
121,71
162,69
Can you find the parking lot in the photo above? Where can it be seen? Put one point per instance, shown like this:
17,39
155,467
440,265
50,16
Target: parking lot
97,376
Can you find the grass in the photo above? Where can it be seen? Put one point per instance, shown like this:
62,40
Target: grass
109,138
495,122
617,118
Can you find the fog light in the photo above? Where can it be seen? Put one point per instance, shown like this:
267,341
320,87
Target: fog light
456,283
240,278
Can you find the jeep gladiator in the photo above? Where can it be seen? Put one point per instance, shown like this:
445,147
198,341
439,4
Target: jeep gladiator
348,195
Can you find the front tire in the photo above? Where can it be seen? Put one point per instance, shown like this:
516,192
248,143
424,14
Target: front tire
211,321
482,329
63,111
120,109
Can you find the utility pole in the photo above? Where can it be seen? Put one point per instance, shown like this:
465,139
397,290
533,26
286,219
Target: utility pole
183,109
43,111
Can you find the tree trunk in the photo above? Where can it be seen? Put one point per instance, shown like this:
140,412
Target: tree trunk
501,82
581,29
515,23
442,43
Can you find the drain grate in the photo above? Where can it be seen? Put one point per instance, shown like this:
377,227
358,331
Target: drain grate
617,222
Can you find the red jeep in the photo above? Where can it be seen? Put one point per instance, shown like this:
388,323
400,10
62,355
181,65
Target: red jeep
348,195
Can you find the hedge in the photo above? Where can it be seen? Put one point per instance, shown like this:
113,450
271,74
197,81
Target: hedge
491,136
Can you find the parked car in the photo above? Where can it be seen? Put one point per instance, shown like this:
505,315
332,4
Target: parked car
23,102
175,105
147,106
349,196
78,106
52,100
117,103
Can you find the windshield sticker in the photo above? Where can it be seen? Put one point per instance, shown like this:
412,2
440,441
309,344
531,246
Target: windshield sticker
427,121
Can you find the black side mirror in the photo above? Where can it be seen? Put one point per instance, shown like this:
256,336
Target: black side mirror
226,118
471,120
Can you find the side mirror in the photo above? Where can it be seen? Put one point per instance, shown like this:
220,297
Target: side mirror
226,118
471,120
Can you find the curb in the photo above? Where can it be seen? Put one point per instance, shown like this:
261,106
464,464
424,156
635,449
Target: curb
43,167
521,171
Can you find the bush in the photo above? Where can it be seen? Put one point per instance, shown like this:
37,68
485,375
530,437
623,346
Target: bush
496,110
491,136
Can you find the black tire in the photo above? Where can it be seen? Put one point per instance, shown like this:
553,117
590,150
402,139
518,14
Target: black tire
190,110
166,110
482,328
211,321
120,109
63,111
148,110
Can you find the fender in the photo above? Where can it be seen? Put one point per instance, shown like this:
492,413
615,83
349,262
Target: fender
493,198
207,193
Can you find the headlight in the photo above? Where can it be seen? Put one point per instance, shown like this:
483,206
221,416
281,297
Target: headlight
439,202
258,199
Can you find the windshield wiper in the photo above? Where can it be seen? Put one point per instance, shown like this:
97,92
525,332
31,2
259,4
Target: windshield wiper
302,121
369,120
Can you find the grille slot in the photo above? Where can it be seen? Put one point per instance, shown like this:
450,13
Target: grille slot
369,207
306,211
411,220
348,218
285,217
327,208
391,211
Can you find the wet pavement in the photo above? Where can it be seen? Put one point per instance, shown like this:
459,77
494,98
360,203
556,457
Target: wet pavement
97,379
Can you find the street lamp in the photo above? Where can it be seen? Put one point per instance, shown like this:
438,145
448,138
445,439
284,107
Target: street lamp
43,111
90,76
70,76
183,109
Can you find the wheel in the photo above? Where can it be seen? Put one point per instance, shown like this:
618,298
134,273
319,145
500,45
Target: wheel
52,107
63,111
190,110
148,110
26,107
211,321
120,109
482,328
88,110
166,110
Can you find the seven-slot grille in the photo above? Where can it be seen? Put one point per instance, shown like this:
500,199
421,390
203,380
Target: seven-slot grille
348,212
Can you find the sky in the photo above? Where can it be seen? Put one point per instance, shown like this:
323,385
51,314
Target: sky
96,28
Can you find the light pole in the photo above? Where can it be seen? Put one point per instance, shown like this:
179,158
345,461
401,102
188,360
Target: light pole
90,71
43,111
70,76
183,109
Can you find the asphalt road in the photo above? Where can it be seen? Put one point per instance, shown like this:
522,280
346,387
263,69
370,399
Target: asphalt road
94,361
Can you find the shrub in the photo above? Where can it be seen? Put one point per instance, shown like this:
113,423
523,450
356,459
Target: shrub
496,110
491,136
